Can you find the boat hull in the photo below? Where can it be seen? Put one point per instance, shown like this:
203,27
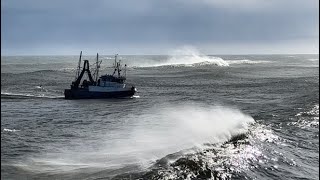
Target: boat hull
85,94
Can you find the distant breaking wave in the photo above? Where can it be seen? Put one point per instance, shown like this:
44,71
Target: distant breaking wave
245,61
187,56
190,57
196,61
193,61
189,61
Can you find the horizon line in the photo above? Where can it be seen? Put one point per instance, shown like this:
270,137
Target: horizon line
160,54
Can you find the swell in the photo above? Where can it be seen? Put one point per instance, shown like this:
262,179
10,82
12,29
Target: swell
41,72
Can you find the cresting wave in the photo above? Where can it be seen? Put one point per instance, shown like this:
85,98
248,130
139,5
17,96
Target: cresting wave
187,61
194,60
143,142
191,57
190,125
187,56
197,61
225,160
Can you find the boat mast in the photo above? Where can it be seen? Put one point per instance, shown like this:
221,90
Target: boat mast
118,67
97,70
79,63
115,64
115,61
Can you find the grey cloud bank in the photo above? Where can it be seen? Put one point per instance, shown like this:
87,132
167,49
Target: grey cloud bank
156,27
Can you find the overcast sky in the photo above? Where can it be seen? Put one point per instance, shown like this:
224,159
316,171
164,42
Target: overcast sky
53,27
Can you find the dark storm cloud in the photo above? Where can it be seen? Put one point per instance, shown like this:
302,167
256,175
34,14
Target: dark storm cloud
59,25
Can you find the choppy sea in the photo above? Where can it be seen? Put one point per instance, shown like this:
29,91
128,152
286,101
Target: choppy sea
193,117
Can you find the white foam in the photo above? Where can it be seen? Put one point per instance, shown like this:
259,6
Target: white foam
10,130
307,119
68,69
314,111
264,134
246,61
228,158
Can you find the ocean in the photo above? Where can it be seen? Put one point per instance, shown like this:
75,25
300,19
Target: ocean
193,117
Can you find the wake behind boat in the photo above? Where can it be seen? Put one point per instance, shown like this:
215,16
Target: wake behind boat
105,86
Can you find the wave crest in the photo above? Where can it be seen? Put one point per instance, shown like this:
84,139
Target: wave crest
154,133
188,56
194,60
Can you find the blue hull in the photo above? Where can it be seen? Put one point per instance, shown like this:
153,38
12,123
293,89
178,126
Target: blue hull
85,94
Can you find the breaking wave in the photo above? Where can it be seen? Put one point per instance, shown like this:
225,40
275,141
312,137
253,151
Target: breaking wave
227,160
194,60
188,56
191,57
188,61
182,127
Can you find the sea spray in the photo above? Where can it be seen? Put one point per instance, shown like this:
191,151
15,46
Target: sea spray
149,136
189,55
185,126
186,56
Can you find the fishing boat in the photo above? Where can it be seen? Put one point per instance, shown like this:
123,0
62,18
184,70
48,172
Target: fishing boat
106,86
